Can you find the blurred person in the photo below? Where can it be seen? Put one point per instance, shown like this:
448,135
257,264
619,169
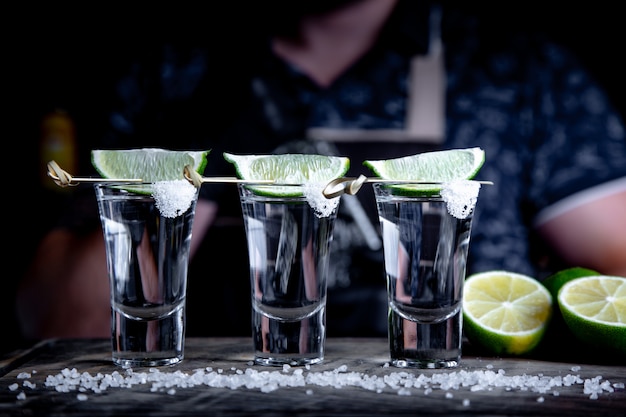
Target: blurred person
367,79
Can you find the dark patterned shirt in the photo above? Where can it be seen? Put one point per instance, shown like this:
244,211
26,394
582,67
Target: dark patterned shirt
547,128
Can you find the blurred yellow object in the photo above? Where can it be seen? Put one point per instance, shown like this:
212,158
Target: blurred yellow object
58,143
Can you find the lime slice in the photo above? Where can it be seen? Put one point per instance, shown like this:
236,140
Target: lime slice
291,169
594,309
505,312
149,164
438,166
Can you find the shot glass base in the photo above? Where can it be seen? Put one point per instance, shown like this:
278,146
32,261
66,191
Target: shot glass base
146,362
148,342
293,343
425,364
431,345
287,360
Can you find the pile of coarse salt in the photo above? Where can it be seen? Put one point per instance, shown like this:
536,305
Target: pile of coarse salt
173,198
402,382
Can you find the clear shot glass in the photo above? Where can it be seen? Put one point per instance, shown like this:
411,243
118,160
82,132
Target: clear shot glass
289,251
425,248
147,233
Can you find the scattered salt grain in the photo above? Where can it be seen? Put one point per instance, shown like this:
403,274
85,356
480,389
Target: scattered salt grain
173,198
404,383
21,396
322,206
596,386
460,197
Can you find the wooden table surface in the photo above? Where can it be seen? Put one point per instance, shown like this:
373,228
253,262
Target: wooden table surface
354,380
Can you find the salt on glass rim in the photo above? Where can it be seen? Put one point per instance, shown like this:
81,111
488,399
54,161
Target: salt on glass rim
173,198
323,207
460,197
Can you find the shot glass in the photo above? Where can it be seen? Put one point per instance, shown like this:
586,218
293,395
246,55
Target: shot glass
425,248
147,234
289,250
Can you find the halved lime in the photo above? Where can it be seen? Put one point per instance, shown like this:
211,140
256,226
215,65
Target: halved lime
149,164
555,281
558,331
594,309
505,312
438,166
293,169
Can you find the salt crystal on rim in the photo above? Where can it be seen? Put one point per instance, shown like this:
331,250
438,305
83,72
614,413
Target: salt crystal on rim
173,198
460,197
322,206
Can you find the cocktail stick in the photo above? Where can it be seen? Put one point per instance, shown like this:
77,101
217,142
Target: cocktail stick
348,185
63,178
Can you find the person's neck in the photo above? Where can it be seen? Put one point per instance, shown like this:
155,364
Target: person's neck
329,44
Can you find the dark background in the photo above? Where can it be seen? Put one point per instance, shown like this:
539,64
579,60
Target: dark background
68,56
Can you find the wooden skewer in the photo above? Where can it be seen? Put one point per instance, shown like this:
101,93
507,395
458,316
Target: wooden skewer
196,179
335,188
63,179
348,185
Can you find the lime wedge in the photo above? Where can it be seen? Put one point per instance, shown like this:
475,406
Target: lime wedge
594,309
438,166
161,169
292,169
149,164
505,312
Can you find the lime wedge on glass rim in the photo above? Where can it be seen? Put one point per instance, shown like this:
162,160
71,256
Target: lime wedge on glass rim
437,166
293,170
161,172
150,164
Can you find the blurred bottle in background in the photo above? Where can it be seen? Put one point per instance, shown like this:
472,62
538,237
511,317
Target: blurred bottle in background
57,143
